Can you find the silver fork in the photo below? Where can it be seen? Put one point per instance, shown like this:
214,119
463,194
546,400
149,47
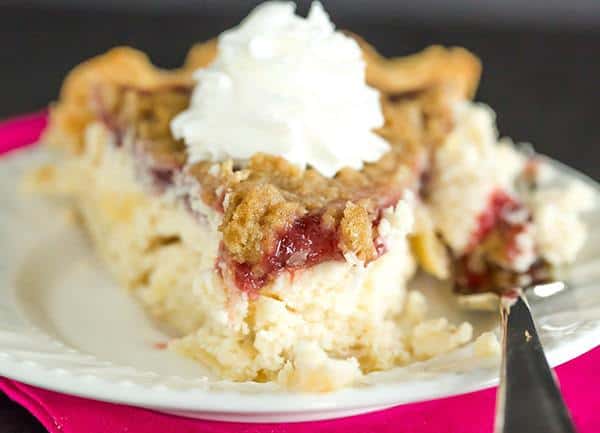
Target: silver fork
528,399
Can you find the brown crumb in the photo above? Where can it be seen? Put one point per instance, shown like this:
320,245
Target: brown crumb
356,232
39,178
72,216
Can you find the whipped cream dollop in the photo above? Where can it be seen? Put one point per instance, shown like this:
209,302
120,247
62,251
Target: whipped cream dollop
287,86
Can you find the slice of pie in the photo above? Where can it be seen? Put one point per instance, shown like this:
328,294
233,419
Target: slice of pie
268,270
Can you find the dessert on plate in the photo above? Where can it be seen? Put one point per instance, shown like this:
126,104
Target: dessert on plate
268,201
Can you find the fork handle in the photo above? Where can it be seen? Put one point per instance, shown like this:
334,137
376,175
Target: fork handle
528,399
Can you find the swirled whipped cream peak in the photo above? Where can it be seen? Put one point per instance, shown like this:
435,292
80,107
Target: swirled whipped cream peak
288,86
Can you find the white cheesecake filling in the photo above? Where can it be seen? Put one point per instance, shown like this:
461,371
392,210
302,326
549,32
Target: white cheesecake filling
473,164
318,329
470,165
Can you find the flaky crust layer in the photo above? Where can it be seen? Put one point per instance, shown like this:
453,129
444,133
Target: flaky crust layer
125,66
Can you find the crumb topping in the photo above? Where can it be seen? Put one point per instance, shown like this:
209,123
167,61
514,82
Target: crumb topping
147,114
264,200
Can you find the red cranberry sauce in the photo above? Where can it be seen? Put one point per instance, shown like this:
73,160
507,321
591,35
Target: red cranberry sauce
160,173
500,205
506,218
305,244
161,345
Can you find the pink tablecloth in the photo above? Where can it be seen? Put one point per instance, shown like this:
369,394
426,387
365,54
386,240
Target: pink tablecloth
470,413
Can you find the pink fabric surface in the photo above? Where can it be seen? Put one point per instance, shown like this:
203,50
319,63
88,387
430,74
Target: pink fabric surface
469,413
21,131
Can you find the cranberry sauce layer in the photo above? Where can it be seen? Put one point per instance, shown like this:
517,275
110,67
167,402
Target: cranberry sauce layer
494,247
497,216
306,243
144,117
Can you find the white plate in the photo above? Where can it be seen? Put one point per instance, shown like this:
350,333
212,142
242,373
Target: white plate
66,326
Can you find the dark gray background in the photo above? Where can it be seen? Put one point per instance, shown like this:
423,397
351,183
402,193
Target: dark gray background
541,59
545,12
